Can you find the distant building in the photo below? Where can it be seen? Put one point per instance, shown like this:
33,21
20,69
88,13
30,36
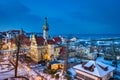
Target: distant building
93,70
41,47
54,65
12,42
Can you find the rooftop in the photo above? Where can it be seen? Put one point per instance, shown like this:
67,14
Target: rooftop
99,69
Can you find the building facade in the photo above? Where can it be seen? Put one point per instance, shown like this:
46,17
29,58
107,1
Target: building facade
93,70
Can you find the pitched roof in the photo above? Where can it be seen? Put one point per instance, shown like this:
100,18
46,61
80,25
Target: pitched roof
1,36
57,39
25,40
3,33
40,40
15,31
54,62
12,40
62,50
98,68
11,31
51,42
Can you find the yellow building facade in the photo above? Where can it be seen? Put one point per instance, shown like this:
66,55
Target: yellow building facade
36,51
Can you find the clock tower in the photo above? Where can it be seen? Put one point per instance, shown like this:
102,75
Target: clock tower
45,30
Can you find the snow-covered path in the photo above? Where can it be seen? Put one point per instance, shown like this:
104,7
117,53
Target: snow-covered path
7,75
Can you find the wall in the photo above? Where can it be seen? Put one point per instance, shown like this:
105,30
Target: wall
108,76
50,49
88,75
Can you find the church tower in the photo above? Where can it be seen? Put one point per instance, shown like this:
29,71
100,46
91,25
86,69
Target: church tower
45,30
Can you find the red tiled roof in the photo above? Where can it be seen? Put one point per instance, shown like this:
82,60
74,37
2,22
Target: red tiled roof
25,40
3,33
62,50
12,40
57,39
15,31
40,40
51,42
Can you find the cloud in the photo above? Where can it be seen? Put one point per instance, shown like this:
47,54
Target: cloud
103,12
96,16
15,15
64,16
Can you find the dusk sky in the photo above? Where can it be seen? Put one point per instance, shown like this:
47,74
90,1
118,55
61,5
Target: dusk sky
64,16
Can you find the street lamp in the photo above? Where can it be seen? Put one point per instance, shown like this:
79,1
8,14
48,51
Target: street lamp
39,78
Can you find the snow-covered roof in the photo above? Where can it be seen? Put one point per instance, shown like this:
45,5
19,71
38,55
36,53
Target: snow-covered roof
98,70
73,73
90,63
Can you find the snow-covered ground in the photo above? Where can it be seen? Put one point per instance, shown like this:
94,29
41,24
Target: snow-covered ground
40,71
6,69
6,75
33,72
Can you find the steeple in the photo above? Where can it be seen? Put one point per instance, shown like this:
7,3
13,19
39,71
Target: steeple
45,26
21,31
45,30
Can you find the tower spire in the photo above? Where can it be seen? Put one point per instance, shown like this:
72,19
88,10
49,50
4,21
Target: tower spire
45,30
21,31
46,26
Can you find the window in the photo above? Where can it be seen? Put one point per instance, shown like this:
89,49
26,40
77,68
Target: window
83,77
108,76
80,75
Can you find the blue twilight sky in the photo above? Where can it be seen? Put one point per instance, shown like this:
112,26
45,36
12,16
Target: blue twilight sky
64,16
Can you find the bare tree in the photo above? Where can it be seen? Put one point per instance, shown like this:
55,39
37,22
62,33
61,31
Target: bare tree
18,41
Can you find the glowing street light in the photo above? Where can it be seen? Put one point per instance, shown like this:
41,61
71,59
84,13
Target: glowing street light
39,78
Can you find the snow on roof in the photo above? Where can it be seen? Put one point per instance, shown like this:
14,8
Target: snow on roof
98,71
73,73
90,63
100,63
57,39
40,40
54,62
61,61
